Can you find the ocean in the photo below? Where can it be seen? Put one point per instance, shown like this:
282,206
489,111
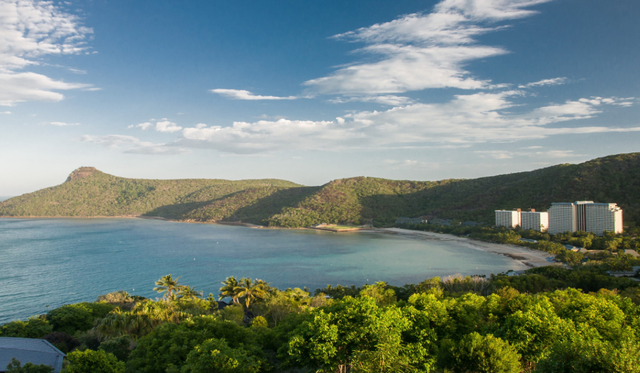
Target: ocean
50,262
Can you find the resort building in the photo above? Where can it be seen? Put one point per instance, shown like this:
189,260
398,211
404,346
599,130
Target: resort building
29,350
585,216
562,217
600,217
509,219
538,221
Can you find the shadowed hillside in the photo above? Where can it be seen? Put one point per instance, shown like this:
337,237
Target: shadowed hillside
89,192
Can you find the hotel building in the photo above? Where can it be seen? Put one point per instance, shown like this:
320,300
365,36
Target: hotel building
585,216
600,217
537,221
509,219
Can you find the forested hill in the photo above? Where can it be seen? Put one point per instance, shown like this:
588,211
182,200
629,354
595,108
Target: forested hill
89,192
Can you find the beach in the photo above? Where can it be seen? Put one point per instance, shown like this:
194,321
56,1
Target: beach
524,255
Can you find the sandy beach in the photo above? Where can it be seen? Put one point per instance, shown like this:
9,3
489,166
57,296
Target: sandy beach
528,257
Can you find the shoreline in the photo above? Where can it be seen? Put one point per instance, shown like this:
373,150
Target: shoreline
528,257
525,256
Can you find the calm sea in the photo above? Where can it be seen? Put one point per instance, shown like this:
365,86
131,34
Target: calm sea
50,262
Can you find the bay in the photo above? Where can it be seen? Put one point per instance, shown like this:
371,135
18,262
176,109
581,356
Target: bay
45,263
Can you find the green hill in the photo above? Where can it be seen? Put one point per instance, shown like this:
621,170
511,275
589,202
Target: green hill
89,192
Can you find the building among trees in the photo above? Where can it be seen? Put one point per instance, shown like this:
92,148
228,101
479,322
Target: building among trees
563,217
509,219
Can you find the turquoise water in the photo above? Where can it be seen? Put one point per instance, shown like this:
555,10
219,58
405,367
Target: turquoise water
46,263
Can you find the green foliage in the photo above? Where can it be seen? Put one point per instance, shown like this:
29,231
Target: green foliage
353,332
89,361
120,347
34,327
63,341
215,355
482,354
77,317
16,367
168,346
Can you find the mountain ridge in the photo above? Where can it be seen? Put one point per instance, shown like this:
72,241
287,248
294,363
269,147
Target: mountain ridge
89,192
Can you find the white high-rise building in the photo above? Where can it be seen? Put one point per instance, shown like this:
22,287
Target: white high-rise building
538,221
509,219
585,216
562,217
602,217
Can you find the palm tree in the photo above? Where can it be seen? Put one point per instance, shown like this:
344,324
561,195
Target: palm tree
168,285
189,292
251,291
230,289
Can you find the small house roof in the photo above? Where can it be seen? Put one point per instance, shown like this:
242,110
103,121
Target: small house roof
30,350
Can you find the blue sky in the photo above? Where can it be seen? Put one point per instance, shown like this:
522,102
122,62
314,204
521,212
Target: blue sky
313,91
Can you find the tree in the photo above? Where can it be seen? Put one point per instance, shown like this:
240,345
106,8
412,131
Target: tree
215,355
250,291
353,333
230,289
189,292
481,354
34,327
168,286
15,367
89,361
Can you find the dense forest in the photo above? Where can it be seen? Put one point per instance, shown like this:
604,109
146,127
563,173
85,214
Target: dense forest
277,203
536,322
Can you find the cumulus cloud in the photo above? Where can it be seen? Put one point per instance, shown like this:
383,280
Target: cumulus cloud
162,125
30,29
554,81
466,119
132,145
239,94
420,51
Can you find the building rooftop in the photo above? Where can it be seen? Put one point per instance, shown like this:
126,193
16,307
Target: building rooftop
30,350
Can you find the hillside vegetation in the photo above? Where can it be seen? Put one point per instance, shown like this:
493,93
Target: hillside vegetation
89,192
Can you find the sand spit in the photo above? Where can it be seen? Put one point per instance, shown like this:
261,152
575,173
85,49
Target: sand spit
524,255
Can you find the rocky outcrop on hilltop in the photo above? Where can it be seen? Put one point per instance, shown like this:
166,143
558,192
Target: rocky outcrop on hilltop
81,172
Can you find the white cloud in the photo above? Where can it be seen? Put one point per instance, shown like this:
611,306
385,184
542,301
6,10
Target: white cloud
19,87
5,112
390,100
30,29
467,119
549,154
554,81
132,145
239,94
420,51
166,126
62,124
162,125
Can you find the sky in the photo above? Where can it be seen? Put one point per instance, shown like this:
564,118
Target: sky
311,91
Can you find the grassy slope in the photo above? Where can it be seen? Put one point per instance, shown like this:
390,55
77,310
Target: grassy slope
281,203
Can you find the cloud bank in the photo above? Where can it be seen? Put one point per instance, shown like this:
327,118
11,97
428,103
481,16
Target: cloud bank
420,51
30,29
